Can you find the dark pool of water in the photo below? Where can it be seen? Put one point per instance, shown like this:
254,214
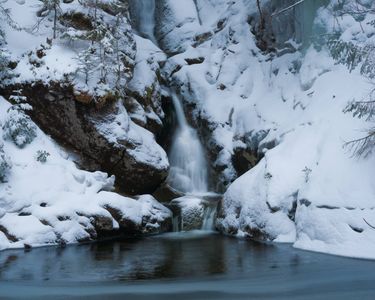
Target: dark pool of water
182,266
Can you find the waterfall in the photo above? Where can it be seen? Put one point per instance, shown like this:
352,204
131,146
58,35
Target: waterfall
188,172
188,168
143,12
209,218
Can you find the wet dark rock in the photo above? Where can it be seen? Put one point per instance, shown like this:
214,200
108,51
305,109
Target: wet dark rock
8,235
305,202
24,214
328,207
27,247
165,193
201,38
356,229
194,61
243,160
292,211
102,223
256,233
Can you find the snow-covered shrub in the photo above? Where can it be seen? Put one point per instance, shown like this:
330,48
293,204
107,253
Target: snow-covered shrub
5,72
19,128
5,165
42,155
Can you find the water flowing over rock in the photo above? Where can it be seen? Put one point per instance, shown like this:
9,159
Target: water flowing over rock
143,14
188,171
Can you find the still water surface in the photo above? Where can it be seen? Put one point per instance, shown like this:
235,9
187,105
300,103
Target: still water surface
182,266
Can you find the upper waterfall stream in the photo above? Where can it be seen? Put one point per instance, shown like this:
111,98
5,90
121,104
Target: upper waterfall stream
144,11
188,171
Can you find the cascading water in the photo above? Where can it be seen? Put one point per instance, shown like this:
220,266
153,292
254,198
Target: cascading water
209,217
188,171
188,168
144,14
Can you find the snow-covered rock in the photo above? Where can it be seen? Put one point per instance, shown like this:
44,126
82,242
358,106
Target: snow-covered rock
100,97
190,211
176,24
144,89
52,202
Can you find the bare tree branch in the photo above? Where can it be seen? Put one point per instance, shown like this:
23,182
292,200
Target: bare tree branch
287,8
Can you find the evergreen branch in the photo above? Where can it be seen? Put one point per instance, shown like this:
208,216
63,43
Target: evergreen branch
362,146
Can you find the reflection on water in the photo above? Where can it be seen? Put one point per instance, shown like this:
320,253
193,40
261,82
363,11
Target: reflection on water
183,264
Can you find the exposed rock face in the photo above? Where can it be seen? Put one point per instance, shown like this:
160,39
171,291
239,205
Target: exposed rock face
105,138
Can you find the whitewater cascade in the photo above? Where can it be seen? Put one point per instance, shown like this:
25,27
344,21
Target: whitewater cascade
209,217
188,171
188,167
